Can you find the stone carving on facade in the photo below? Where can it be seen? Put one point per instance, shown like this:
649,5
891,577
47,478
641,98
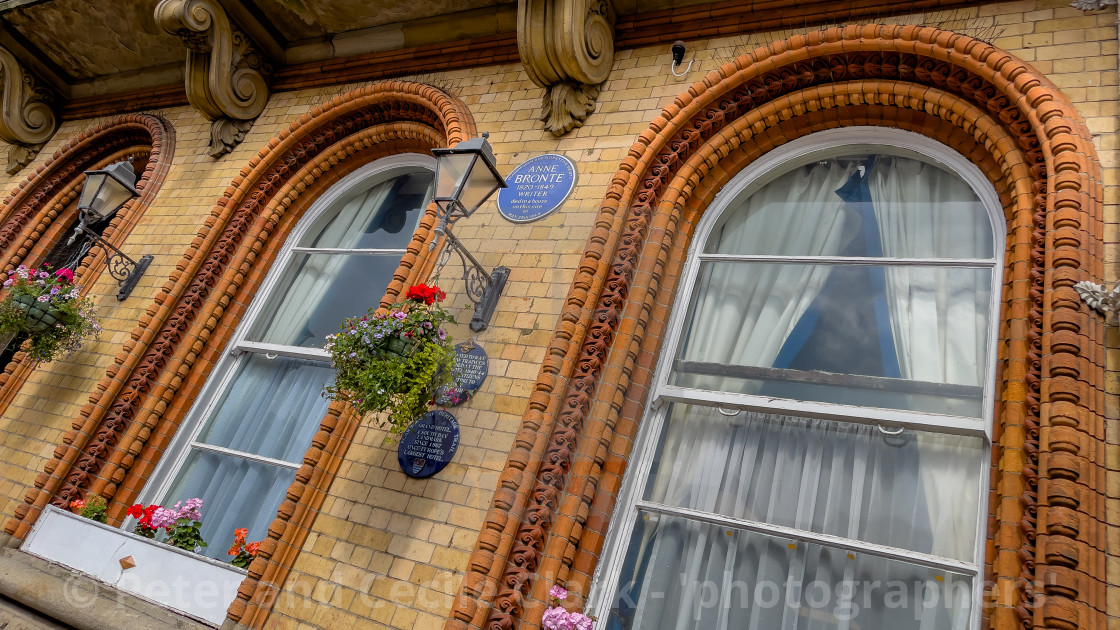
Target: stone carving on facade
227,77
1092,5
1098,298
567,47
27,119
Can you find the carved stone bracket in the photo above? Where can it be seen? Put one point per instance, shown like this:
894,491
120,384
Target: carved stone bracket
567,47
27,118
227,77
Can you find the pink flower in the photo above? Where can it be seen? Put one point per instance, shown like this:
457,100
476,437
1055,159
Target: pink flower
556,618
44,298
558,592
164,518
65,274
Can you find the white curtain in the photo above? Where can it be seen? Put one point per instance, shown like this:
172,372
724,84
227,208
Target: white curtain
313,274
744,317
827,477
271,409
939,317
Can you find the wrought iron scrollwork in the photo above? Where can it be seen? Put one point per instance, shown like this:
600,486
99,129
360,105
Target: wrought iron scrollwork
123,269
483,289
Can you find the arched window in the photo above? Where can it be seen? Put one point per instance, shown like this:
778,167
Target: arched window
246,436
816,447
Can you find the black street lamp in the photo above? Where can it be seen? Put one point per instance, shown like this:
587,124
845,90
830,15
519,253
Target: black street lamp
465,179
104,192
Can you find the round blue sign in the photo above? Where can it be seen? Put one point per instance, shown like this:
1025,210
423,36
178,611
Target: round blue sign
537,188
470,370
428,444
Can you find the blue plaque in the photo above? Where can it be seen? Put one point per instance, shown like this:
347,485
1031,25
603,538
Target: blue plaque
428,444
468,373
537,188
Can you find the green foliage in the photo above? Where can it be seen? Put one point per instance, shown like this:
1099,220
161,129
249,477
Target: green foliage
186,535
31,290
94,508
395,362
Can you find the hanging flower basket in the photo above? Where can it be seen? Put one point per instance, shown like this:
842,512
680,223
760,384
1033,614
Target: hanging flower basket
48,308
38,316
393,363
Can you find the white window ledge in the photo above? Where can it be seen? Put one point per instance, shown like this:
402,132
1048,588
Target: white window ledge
189,583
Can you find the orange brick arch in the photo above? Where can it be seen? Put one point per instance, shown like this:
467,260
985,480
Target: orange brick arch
1045,554
119,436
41,208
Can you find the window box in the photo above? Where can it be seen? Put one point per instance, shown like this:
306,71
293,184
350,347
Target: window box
186,582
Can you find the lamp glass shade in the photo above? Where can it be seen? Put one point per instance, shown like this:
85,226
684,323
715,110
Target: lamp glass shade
451,171
103,194
481,183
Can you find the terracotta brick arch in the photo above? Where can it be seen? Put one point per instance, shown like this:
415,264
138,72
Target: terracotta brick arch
1045,550
119,436
37,213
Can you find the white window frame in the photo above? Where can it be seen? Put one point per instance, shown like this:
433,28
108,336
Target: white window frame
754,176
186,436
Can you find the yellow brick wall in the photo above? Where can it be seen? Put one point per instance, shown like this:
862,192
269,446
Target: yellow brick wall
391,549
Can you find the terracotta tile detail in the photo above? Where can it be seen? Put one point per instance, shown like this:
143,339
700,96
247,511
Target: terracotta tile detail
584,410
137,406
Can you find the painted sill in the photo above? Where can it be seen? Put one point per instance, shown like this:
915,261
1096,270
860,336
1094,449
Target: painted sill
185,582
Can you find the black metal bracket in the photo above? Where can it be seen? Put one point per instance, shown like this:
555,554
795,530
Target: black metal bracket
483,289
124,270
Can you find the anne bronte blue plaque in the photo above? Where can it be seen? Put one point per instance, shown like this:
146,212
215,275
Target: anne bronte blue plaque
537,188
428,444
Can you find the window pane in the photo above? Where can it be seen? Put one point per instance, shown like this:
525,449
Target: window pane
383,216
272,408
235,493
681,574
858,205
915,491
903,337
317,292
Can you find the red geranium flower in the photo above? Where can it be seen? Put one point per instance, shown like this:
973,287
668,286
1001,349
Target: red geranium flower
426,294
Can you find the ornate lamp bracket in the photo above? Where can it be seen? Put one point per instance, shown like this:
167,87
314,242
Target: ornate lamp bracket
27,118
567,47
483,289
227,77
126,271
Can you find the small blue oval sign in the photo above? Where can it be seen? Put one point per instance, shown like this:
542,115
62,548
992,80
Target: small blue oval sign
428,444
537,188
470,370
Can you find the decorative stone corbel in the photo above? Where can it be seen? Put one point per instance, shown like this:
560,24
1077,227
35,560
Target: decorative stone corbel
27,118
227,77
567,47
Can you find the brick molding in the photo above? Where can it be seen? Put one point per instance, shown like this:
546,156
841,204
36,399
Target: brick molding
548,517
145,394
